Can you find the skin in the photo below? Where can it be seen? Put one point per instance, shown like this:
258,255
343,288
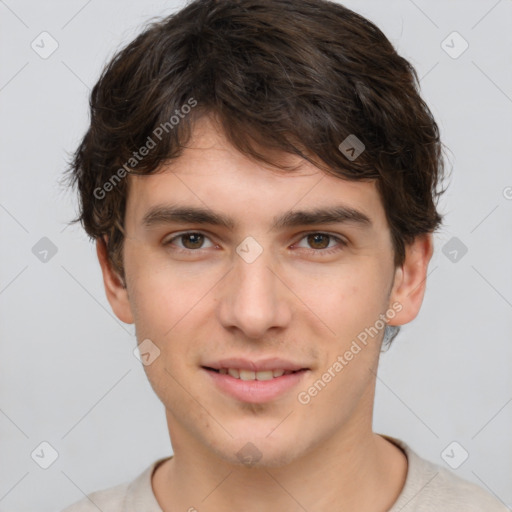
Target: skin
207,302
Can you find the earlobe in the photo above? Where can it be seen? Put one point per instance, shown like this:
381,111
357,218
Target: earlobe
411,279
117,294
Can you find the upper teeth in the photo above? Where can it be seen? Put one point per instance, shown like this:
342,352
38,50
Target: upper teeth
251,375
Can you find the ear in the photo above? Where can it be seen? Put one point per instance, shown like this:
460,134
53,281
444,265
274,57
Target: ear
411,279
117,294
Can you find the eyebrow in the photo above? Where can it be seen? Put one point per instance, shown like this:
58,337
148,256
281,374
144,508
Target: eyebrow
168,214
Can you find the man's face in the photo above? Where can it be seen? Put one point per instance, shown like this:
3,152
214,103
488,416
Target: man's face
289,297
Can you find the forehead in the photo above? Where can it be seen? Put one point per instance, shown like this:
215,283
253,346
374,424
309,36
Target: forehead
211,174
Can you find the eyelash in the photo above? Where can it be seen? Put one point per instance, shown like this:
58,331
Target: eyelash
332,250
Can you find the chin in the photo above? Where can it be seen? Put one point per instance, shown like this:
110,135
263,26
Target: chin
257,451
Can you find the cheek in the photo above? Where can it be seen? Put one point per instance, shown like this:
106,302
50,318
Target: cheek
345,301
162,296
169,309
163,316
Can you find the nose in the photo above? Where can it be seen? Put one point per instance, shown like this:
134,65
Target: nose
254,297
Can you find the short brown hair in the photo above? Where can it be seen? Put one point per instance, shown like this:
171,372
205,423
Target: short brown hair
295,76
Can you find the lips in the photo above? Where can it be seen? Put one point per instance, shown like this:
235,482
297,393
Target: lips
243,374
255,381
269,364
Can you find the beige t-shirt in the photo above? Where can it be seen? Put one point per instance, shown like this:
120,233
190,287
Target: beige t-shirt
428,488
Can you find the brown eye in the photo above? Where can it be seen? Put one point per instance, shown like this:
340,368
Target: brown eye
189,241
318,240
323,243
192,240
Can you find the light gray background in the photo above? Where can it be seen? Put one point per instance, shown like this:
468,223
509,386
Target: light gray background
68,375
